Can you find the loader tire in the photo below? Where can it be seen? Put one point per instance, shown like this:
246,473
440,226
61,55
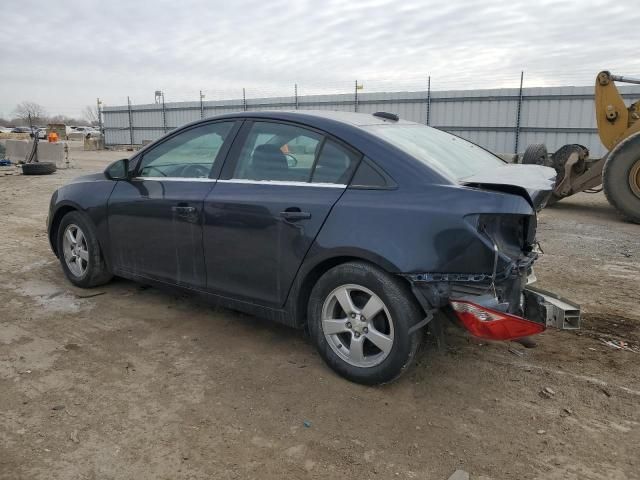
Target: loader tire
535,154
39,168
621,178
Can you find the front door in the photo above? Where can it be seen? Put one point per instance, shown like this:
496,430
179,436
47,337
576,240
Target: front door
155,219
267,209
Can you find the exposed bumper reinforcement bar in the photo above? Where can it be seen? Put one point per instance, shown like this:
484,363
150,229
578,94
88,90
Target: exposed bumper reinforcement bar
557,311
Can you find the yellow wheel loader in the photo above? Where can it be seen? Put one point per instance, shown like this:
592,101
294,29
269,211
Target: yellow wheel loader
619,170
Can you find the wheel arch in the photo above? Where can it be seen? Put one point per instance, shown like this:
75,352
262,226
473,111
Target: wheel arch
312,271
54,223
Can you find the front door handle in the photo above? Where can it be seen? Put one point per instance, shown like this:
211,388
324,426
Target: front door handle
294,213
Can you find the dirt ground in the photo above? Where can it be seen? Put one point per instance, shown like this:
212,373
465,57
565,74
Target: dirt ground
137,383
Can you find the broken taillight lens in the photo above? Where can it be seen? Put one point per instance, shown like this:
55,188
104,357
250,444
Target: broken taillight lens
484,322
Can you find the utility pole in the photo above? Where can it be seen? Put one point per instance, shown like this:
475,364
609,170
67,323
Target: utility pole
244,100
201,104
295,92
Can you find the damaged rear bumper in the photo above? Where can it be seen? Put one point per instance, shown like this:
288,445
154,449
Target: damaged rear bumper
504,310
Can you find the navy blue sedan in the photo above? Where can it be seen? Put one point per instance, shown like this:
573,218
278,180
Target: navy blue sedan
362,228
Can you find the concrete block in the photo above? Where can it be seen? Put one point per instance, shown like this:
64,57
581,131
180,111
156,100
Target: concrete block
17,151
94,143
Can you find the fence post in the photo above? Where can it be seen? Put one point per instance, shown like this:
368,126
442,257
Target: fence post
130,122
428,100
244,100
355,97
517,139
201,105
98,103
295,92
164,115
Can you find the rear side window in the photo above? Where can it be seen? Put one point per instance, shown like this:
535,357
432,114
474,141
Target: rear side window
335,164
278,152
368,176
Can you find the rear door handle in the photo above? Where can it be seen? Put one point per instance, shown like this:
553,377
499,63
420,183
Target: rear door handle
292,214
183,210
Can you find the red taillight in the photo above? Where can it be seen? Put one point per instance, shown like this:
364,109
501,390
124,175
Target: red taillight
484,322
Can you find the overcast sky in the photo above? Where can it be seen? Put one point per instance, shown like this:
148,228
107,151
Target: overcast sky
65,54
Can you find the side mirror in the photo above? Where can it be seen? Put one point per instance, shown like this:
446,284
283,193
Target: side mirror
118,170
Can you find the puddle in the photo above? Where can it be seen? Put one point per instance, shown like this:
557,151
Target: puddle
52,298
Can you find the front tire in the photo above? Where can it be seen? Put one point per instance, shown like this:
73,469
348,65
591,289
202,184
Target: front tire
79,251
621,178
359,320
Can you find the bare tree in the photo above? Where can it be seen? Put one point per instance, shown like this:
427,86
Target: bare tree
26,110
91,114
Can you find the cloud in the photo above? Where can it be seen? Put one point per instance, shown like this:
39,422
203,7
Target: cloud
65,55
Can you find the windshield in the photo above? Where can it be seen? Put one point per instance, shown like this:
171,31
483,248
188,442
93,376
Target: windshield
452,156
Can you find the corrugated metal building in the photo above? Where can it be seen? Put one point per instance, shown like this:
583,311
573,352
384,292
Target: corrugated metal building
554,116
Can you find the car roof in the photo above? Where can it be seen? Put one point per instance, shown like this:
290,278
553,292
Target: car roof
349,118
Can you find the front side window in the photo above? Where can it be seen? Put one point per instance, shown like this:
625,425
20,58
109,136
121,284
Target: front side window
190,154
452,156
276,151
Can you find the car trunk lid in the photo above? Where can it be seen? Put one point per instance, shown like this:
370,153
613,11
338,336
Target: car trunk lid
533,182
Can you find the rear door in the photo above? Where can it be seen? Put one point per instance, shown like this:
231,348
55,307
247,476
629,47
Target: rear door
155,219
267,208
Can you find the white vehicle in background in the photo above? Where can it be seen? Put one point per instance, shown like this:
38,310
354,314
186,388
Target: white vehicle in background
91,131
80,132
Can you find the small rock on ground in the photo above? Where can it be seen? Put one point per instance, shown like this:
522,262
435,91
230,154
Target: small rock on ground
459,475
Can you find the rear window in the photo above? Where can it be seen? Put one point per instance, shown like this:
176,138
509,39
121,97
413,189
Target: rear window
450,155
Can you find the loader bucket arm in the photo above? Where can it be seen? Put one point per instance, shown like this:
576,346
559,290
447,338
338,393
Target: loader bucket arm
615,120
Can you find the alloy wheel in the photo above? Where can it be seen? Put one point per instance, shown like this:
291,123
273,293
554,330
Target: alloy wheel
76,251
357,325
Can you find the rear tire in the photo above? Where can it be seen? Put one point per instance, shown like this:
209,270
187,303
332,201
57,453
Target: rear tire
39,168
621,178
535,154
387,348
80,254
558,160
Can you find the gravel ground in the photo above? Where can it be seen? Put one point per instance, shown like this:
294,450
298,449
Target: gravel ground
127,382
